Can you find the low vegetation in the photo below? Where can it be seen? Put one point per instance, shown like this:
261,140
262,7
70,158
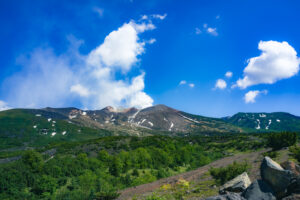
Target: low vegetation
224,174
280,140
295,150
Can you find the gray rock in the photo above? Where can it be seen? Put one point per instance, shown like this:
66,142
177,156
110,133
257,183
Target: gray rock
229,196
292,197
273,174
238,184
259,190
294,187
292,166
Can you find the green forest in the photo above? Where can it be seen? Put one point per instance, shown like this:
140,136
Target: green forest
99,168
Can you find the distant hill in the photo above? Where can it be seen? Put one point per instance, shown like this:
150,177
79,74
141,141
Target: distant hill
265,122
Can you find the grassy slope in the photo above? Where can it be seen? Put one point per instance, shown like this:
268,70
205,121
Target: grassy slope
212,124
17,130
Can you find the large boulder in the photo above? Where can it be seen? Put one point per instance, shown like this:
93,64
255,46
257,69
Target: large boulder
238,184
229,196
293,167
259,190
278,178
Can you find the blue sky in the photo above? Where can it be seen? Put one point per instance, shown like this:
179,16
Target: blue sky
91,54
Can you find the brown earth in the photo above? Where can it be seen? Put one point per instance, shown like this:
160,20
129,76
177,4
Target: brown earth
253,158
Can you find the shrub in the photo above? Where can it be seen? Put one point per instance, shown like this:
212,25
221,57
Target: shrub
295,150
279,140
271,154
224,174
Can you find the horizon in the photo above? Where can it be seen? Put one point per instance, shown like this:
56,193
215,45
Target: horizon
125,108
209,58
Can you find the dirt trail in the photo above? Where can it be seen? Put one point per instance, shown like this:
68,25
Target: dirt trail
254,158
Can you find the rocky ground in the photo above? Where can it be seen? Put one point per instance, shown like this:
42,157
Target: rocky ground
277,181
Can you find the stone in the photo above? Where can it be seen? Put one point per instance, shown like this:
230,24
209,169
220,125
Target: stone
293,167
229,196
292,197
238,184
294,187
278,178
259,190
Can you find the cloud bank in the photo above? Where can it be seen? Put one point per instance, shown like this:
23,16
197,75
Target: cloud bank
47,79
277,61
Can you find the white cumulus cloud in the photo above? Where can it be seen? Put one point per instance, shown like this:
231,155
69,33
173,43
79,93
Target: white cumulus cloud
228,74
277,61
191,85
207,29
80,90
120,48
154,16
220,84
48,79
252,94
183,82
161,17
212,31
151,41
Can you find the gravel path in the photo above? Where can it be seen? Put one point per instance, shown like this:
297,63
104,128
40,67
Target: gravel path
254,158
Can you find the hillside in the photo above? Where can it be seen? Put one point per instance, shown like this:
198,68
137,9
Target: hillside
39,127
22,128
265,122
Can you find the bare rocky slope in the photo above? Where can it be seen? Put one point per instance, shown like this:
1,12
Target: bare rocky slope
159,118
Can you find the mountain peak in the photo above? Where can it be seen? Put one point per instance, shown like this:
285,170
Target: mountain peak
112,109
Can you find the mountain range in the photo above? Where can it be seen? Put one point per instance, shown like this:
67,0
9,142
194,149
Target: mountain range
42,126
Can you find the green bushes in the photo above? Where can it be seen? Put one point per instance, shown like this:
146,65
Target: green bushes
295,150
271,154
224,174
279,140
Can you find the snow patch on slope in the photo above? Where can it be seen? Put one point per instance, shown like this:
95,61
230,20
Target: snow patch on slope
258,124
267,127
189,119
171,126
151,124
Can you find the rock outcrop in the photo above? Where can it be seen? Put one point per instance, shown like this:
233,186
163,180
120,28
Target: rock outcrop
278,182
278,178
293,167
238,184
259,190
